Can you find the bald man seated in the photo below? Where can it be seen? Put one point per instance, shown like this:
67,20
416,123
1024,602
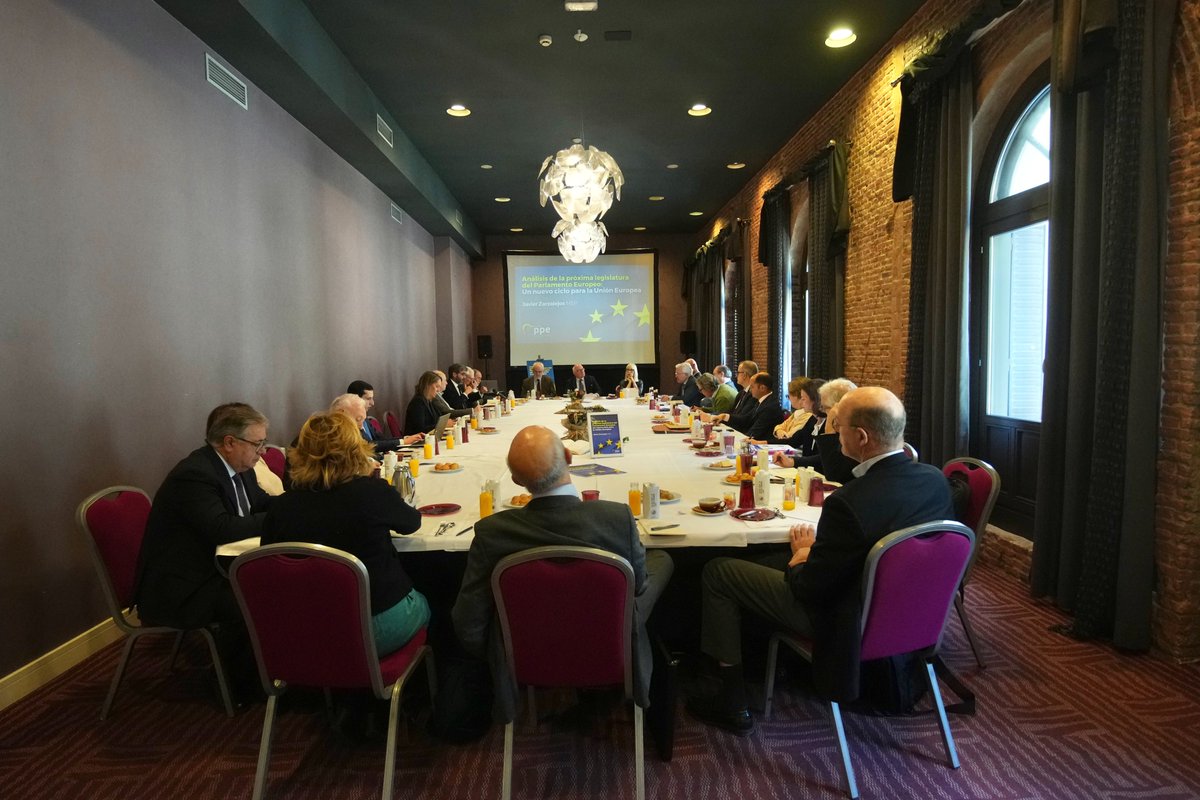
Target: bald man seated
555,516
818,594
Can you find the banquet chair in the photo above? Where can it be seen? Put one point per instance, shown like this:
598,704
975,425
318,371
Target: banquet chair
393,425
308,612
984,483
911,452
910,579
113,521
276,459
566,618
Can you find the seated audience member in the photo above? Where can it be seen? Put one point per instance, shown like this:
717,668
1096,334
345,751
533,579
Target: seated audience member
723,374
210,498
440,404
760,414
745,373
456,394
688,394
828,459
371,428
555,516
355,407
334,501
799,430
582,382
819,593
720,397
631,380
421,416
539,382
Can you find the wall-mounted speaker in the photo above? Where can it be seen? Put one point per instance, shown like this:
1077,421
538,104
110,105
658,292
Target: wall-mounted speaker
687,342
483,346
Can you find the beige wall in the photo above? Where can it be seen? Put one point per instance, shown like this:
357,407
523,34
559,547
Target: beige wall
162,251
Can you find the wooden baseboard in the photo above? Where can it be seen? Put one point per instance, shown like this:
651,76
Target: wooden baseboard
45,668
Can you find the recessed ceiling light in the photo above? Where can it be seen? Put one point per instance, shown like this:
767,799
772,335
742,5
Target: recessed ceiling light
840,37
656,197
581,5
735,165
516,230
699,110
672,166
458,110
695,213
639,227
577,140
503,199
485,166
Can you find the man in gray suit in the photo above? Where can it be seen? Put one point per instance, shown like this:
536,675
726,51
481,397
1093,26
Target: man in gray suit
555,516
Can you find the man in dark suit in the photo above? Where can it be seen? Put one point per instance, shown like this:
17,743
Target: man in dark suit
818,594
766,413
366,391
689,393
210,498
581,381
555,516
539,382
457,393
743,406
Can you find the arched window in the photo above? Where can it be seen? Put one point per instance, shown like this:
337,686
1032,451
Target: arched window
1012,237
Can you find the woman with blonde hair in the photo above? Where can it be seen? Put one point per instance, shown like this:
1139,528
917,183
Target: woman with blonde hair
799,430
336,502
630,381
828,459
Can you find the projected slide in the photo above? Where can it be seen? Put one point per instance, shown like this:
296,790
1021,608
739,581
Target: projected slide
598,313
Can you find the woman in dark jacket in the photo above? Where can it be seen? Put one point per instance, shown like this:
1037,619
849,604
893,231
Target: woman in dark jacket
421,415
799,430
334,501
630,381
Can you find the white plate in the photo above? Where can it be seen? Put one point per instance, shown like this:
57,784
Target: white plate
721,466
433,471
509,504
492,432
674,498
702,513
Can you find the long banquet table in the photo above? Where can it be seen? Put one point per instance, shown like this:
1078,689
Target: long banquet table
662,458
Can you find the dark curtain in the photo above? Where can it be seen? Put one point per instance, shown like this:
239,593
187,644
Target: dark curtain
774,238
936,389
1094,525
702,286
829,224
801,220
737,296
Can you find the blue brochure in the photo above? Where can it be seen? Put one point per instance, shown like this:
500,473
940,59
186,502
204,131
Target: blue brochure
604,432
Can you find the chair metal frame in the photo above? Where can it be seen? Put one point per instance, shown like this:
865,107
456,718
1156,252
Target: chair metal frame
910,450
979,527
123,615
584,554
803,647
275,688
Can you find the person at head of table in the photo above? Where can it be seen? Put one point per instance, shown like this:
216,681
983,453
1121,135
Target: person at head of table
829,459
539,382
720,397
208,499
336,502
555,516
799,429
817,595
631,379
582,382
422,416
688,393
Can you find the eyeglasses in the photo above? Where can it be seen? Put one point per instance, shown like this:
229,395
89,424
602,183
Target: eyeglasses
258,446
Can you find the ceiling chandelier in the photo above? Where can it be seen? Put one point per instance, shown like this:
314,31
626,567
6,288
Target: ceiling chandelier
581,184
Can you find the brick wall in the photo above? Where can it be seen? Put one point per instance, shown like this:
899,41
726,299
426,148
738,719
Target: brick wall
866,111
1177,606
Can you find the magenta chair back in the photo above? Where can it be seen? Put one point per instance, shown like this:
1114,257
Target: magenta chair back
113,521
275,459
984,483
308,611
393,425
566,617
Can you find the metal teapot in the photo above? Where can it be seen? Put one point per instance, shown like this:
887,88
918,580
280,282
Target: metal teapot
405,483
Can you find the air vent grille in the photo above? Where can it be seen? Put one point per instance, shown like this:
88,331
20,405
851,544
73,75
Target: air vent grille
397,213
229,84
384,130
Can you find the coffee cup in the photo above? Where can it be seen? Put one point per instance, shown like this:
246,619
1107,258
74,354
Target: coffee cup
711,504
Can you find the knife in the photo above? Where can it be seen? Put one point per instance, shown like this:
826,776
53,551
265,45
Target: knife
464,530
664,527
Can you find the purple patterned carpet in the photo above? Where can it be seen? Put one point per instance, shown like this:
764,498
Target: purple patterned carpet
1057,719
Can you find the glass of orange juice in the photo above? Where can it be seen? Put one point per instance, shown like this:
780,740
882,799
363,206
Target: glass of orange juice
635,499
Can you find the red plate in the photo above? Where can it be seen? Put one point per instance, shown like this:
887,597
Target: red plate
753,514
439,509
710,453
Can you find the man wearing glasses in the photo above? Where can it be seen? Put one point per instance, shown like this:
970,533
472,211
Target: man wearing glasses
210,498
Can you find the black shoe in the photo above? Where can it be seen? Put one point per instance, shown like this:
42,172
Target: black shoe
711,711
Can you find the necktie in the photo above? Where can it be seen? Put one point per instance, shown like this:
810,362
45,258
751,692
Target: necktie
243,501
367,433
580,386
